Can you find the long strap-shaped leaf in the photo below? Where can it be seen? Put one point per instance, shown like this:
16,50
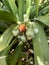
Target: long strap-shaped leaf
21,9
12,59
11,6
44,10
37,6
44,19
40,46
28,7
5,38
4,53
3,60
7,49
5,16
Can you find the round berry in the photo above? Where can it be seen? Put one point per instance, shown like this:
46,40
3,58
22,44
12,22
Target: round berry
22,27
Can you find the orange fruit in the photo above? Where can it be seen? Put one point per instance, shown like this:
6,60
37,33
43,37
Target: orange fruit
22,27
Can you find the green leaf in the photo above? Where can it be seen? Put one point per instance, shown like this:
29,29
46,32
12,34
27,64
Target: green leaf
13,58
28,7
20,63
37,6
11,6
7,49
44,10
5,16
1,4
44,19
21,9
40,45
32,10
3,60
5,38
